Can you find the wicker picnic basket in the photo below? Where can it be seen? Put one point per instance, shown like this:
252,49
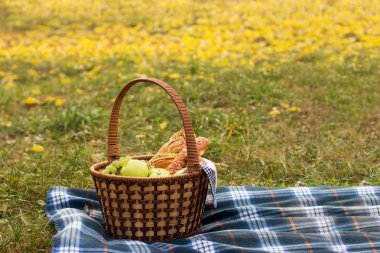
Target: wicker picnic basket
151,209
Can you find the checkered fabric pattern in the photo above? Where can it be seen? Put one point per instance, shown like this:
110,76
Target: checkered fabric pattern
248,219
210,169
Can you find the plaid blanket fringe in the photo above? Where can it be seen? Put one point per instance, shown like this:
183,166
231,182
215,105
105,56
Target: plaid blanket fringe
248,219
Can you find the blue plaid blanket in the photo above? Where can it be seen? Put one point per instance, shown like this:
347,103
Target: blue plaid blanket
248,219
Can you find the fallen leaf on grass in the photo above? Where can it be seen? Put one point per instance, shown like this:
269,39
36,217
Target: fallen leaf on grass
174,76
285,105
5,123
35,91
27,220
9,85
274,112
59,102
37,148
33,73
294,109
31,101
163,125
65,80
49,99
40,202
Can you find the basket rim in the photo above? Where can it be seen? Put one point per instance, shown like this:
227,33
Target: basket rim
97,166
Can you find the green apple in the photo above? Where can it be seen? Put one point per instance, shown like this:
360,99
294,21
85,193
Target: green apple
121,161
105,171
180,172
112,169
158,172
135,168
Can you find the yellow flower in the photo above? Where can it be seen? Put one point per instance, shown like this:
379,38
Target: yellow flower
5,123
58,102
174,76
163,125
294,109
37,148
274,112
31,101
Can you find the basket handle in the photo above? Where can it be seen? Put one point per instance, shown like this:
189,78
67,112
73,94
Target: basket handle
113,136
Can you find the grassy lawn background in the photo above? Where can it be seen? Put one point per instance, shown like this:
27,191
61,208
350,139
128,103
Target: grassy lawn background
330,138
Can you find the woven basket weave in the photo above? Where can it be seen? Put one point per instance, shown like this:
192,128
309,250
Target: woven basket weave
151,209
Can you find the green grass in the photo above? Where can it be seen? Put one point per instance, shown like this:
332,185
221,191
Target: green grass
333,140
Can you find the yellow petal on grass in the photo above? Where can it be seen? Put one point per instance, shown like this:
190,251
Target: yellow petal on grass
285,105
163,125
33,73
274,112
58,102
31,101
64,80
6,123
294,109
49,99
36,91
9,84
37,148
174,76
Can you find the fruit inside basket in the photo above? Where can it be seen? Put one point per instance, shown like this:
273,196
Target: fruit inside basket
170,160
